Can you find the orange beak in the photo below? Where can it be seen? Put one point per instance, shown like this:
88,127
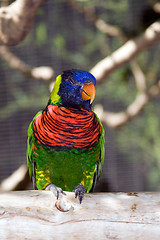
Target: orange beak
88,92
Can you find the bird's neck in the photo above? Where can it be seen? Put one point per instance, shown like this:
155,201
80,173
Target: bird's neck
72,107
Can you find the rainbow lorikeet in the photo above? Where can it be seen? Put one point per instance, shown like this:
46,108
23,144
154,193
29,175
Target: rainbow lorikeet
66,139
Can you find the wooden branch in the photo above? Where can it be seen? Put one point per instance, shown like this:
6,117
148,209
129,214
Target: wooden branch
156,7
16,20
140,78
34,215
43,72
126,53
100,24
115,120
121,56
18,180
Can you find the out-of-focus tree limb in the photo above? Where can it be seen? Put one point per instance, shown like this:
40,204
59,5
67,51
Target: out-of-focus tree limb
98,22
121,56
16,20
139,76
115,120
156,7
127,52
124,54
43,72
113,31
18,180
15,23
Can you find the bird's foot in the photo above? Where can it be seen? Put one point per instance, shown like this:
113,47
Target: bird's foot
55,190
79,192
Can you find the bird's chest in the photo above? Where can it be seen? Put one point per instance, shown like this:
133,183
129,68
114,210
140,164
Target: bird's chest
70,128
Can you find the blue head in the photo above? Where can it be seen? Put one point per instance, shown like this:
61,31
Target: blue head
74,88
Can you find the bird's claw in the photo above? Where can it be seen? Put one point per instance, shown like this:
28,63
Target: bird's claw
54,189
79,192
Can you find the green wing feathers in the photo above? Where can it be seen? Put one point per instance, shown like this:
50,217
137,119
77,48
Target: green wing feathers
30,146
99,164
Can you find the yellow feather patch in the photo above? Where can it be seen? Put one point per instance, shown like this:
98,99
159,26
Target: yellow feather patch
55,98
42,179
87,180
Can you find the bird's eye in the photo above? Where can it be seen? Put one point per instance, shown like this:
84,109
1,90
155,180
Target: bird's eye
72,81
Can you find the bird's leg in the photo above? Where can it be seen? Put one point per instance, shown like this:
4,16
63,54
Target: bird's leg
54,189
79,192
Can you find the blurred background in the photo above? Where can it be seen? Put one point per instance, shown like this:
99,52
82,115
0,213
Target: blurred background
65,36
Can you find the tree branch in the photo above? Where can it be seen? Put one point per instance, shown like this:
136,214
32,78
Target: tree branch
139,76
116,60
100,216
113,31
98,22
18,180
115,120
156,7
126,53
16,20
43,72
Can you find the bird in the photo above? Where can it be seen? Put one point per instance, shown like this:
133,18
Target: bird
65,145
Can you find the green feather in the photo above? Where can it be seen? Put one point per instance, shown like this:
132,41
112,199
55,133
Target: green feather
30,145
